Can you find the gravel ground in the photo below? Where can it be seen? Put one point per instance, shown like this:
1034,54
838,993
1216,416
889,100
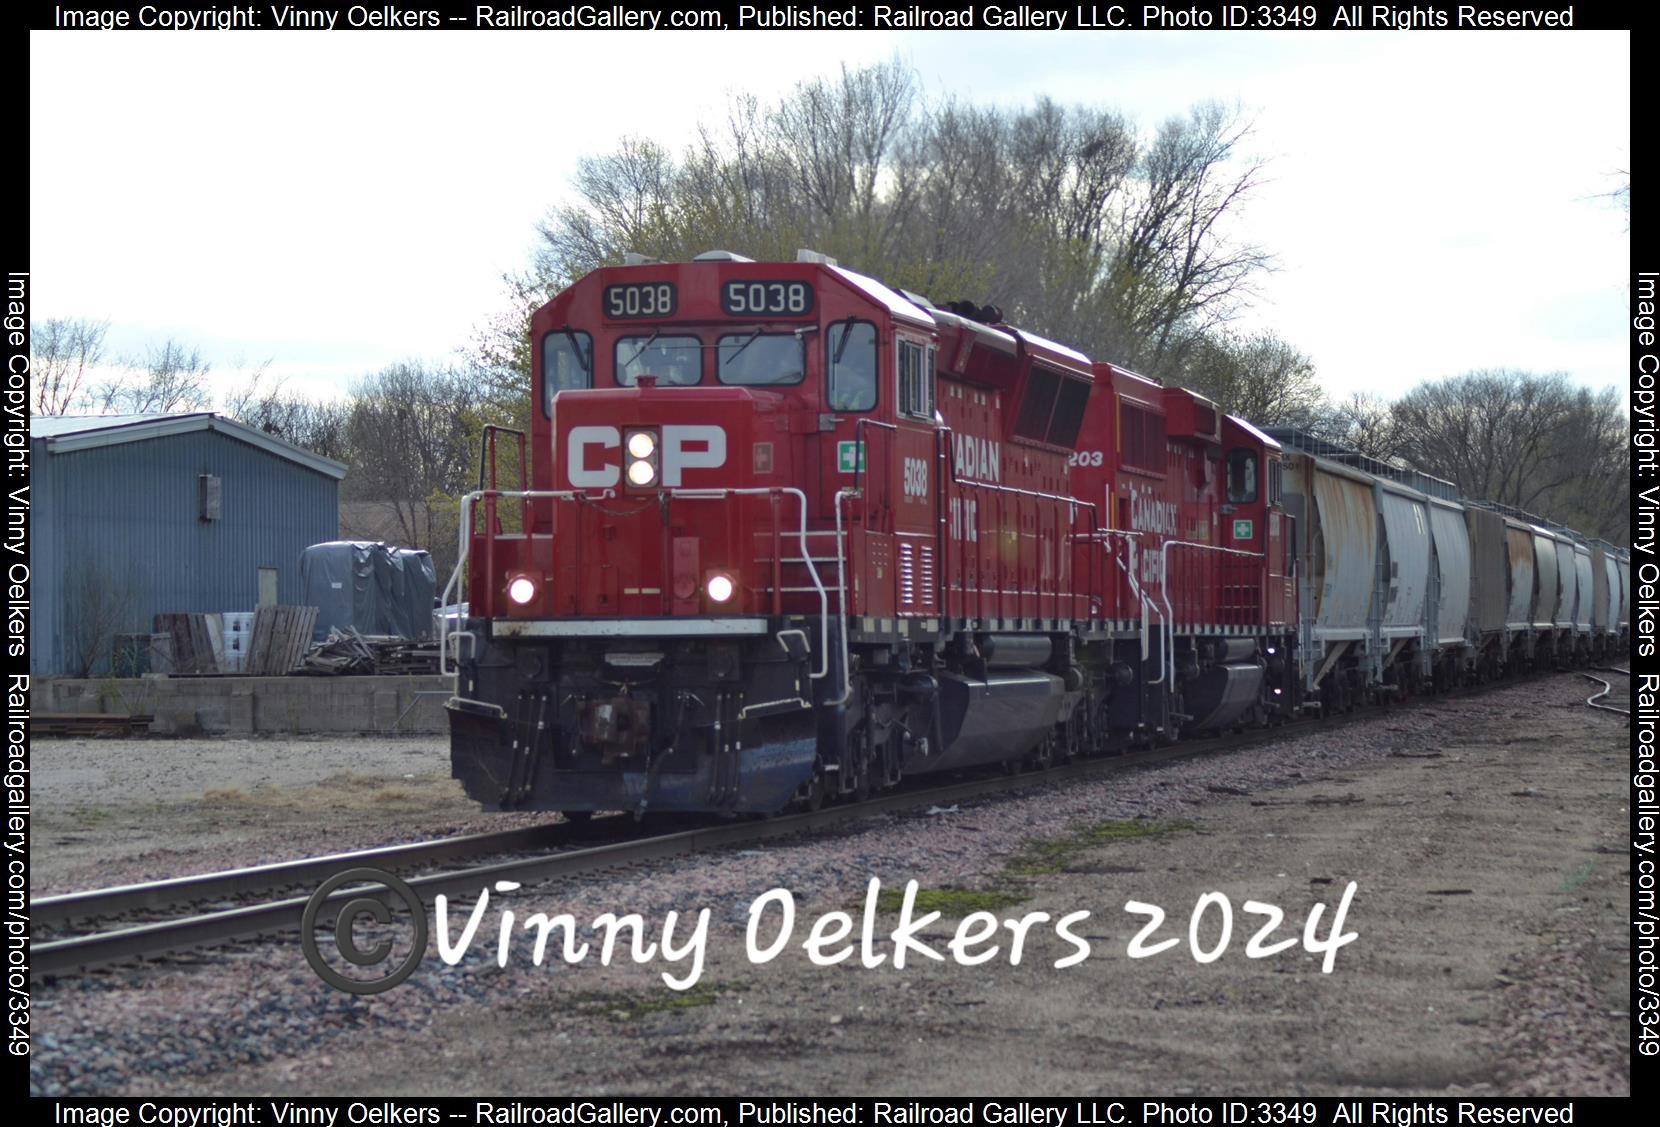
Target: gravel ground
115,811
1485,838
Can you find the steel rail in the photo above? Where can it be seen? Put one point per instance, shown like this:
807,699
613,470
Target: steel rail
96,902
1607,687
85,952
68,955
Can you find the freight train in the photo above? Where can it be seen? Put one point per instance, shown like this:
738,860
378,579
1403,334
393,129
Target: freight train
782,533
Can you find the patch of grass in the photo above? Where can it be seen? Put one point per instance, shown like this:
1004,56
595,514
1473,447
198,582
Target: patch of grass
1578,877
224,796
634,1005
953,902
1008,887
1052,856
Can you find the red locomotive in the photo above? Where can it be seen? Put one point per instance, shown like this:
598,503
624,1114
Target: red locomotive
790,533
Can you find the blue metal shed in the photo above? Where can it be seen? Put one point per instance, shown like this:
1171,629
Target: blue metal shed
138,515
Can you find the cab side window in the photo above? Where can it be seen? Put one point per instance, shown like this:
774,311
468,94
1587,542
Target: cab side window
916,380
1242,476
851,354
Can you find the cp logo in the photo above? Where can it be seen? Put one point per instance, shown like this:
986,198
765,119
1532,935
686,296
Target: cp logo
684,447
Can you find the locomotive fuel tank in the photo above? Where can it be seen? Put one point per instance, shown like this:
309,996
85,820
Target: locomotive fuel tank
1221,694
990,720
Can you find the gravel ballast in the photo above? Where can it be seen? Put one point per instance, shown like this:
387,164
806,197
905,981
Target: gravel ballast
1484,837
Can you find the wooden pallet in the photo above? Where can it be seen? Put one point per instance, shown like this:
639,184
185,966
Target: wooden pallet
191,640
88,724
280,638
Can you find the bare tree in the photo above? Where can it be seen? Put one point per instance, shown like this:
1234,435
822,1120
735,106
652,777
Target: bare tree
1362,422
1260,378
99,607
412,431
169,377
62,354
1175,269
1066,218
314,425
1538,442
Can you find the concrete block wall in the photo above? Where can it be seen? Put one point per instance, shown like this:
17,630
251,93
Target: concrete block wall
263,705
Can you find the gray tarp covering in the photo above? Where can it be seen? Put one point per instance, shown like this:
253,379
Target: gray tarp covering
375,588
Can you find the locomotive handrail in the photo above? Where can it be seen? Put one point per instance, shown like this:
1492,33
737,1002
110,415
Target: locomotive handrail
859,471
487,452
841,600
859,445
1164,590
807,556
487,455
1073,503
491,495
1145,600
464,531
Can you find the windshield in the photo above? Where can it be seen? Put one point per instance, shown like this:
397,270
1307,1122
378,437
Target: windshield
762,358
675,361
567,363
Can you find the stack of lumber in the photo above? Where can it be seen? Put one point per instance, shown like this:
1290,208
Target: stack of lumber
186,643
351,653
88,724
280,638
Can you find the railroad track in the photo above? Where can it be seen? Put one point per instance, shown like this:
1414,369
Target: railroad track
1595,699
70,954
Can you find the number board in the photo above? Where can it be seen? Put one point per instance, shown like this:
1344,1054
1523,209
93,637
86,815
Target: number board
766,299
639,299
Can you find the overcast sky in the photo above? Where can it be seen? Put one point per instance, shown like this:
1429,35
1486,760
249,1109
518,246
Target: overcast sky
336,202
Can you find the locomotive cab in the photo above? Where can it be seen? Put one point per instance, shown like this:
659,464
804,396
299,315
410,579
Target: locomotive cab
660,626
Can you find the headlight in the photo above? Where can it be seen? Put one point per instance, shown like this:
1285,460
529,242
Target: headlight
521,590
641,444
720,588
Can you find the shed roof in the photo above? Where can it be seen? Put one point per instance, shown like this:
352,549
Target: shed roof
67,433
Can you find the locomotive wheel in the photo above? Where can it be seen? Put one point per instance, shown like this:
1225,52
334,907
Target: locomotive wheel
1076,738
861,783
1043,756
858,766
812,798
